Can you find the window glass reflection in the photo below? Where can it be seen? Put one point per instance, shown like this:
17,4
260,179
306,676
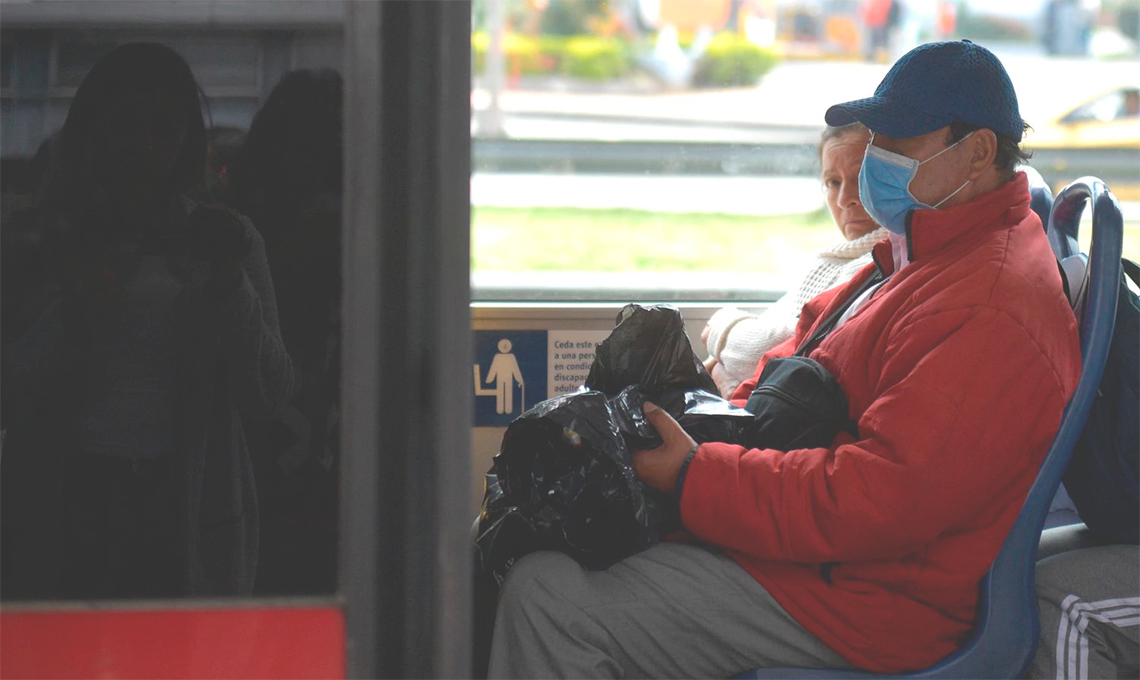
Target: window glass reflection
6,64
171,320
74,57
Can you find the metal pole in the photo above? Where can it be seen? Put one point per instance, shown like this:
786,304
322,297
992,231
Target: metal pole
360,349
408,195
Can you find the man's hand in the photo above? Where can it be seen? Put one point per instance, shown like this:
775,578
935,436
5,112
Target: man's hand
660,467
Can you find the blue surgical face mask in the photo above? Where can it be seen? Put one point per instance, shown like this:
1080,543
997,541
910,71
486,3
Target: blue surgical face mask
884,185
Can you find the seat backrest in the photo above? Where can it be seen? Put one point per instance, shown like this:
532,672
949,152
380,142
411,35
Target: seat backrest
1075,270
1064,221
1040,195
1007,629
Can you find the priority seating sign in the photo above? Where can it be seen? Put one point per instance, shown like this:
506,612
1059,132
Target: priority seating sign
509,374
514,370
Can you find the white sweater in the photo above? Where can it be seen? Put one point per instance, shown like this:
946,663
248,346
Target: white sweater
737,339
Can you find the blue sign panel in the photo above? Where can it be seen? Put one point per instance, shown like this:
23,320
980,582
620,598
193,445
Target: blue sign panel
509,375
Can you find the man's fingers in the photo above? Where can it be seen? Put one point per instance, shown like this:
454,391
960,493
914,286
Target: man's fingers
668,428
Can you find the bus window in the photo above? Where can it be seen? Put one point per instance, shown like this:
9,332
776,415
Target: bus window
670,150
171,203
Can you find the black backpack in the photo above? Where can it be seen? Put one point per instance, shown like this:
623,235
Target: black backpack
797,403
1103,478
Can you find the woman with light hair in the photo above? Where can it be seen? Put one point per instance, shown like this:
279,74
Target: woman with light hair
735,339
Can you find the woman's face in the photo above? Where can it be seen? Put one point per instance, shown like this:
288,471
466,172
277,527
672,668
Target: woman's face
141,139
842,158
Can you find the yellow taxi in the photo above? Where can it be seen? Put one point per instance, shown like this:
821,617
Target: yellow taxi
1087,122
1109,119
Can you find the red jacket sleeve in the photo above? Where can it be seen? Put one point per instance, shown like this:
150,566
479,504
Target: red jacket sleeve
961,415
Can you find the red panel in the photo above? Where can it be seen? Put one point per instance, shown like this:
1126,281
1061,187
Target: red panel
266,642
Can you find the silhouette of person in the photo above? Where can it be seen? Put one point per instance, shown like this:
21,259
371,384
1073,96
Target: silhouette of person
287,179
125,470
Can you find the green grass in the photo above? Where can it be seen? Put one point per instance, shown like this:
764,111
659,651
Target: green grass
558,239
571,239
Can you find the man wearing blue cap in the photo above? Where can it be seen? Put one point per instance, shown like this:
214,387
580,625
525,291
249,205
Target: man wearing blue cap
933,100
957,351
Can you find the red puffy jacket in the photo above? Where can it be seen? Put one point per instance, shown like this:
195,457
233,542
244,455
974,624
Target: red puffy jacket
957,371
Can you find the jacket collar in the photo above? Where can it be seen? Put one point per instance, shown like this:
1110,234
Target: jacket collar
929,231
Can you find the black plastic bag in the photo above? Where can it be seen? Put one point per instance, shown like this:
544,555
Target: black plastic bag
563,479
647,348
705,417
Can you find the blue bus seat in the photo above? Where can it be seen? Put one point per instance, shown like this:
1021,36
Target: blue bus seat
1005,637
1040,195
1061,510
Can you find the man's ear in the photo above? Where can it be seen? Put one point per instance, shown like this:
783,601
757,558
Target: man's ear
983,152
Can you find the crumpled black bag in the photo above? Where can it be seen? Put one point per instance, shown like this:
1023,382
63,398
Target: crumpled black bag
648,348
563,478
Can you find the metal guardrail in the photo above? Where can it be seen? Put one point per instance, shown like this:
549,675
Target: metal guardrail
1113,166
498,155
1119,165
1057,166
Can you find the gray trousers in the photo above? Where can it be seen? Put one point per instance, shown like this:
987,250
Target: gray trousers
672,611
1089,600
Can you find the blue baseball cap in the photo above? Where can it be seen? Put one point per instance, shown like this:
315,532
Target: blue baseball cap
934,85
